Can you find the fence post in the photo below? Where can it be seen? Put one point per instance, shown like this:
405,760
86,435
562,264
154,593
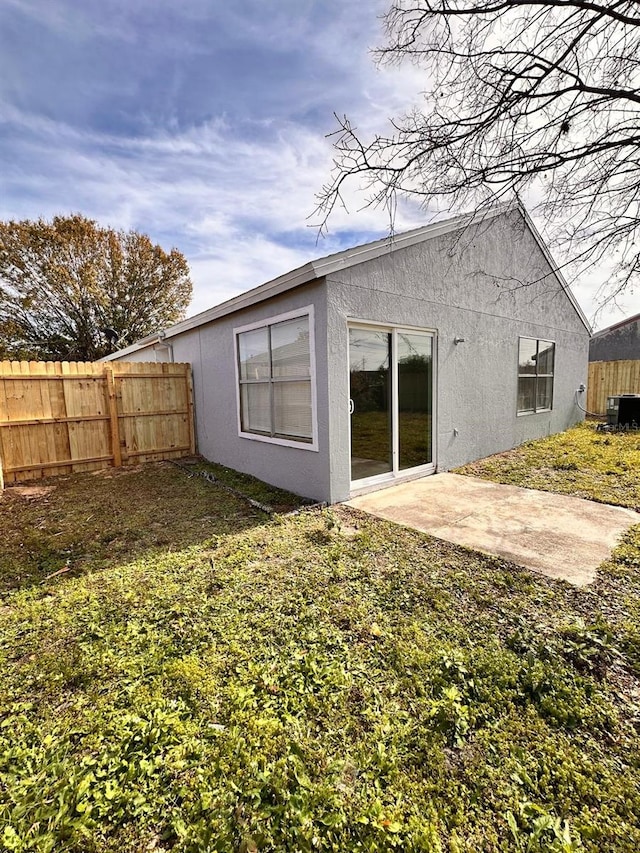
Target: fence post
113,416
190,415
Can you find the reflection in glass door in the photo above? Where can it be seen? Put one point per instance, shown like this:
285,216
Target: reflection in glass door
415,389
391,390
369,360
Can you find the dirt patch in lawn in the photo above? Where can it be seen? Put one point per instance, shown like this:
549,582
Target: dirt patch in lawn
30,491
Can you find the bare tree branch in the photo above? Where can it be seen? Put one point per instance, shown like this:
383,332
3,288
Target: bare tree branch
543,94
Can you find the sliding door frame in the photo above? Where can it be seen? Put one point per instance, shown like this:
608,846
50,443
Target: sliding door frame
396,474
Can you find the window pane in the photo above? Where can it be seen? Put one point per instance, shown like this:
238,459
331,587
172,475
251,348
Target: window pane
544,393
527,356
256,407
254,354
545,357
292,409
414,399
526,394
290,348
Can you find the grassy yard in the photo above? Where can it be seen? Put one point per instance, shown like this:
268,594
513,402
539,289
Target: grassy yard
203,676
600,466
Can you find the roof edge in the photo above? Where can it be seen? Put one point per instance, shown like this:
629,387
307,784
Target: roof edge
370,251
322,267
301,275
332,263
619,325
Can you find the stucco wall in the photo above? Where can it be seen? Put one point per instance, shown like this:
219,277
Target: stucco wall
489,285
210,350
149,353
617,345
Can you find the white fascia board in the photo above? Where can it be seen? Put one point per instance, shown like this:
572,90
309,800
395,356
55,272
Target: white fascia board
299,276
302,275
145,343
601,332
334,263
360,254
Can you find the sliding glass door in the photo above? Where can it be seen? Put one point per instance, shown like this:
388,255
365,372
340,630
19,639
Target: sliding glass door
415,392
391,391
369,368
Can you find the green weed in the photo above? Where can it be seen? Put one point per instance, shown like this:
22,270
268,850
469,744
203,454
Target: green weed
323,682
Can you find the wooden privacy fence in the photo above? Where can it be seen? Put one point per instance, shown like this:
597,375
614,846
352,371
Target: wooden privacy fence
611,377
63,417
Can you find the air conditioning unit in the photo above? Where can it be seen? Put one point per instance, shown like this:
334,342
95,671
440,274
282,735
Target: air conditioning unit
624,410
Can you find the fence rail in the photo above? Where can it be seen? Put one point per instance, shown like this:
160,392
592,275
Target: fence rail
611,377
64,417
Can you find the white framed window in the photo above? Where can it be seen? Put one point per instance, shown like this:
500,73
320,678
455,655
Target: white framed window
536,362
275,368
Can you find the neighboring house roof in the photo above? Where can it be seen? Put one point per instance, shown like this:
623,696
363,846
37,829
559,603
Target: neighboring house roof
619,342
345,259
621,324
286,359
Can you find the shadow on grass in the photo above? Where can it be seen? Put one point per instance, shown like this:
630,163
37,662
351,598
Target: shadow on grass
56,529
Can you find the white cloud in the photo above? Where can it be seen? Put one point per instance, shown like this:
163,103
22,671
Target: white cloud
233,189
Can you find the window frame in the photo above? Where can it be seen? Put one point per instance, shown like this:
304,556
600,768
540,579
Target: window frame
300,444
535,376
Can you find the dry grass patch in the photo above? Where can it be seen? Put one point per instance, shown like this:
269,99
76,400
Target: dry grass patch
63,525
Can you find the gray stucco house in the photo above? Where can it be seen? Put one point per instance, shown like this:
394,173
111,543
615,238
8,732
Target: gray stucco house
387,361
620,342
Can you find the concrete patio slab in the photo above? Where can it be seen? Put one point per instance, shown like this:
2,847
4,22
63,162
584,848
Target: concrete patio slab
560,536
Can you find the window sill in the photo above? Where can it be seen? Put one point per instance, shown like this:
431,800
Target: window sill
283,442
537,412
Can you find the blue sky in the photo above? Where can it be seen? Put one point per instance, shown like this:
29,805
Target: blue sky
201,123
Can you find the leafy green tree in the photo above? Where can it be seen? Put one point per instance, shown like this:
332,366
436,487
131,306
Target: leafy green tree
74,290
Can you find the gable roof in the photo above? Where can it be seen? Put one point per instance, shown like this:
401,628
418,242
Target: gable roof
348,258
619,325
